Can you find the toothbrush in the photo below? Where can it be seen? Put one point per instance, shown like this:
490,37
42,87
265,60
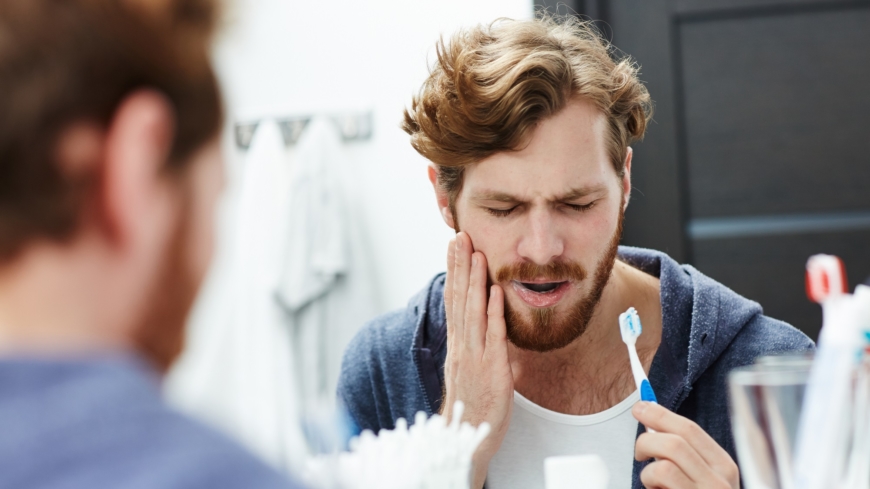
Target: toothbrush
858,467
820,446
630,328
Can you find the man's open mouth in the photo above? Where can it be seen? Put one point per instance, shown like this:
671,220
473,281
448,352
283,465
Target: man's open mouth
542,288
541,294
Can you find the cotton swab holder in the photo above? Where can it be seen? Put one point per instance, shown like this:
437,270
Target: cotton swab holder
431,454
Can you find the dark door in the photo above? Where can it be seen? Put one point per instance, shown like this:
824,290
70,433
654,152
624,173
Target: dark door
759,154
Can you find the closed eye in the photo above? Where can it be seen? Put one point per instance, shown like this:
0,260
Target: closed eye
581,208
500,212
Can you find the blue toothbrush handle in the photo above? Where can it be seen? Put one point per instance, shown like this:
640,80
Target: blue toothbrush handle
646,392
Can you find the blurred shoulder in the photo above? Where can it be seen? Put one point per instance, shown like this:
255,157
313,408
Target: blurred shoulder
193,455
137,444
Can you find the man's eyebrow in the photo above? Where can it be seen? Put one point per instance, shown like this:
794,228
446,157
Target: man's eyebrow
573,194
491,195
579,193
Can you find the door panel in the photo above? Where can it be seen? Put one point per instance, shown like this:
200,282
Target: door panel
776,113
757,154
770,269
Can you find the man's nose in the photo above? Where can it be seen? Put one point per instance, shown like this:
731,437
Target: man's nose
541,242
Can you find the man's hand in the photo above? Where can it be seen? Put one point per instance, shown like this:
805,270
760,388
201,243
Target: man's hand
477,371
686,456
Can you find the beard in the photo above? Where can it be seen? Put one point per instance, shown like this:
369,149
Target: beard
159,336
543,331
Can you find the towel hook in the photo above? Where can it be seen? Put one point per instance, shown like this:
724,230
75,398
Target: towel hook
351,126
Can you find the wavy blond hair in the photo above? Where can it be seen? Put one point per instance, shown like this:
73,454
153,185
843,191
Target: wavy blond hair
492,84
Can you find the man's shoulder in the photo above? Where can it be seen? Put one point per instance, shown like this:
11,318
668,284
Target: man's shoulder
384,337
763,335
710,301
741,322
393,334
715,324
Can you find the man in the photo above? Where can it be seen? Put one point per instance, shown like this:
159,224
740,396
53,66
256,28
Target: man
109,172
528,125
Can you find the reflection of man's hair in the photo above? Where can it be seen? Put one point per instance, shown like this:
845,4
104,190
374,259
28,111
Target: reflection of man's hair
75,60
492,84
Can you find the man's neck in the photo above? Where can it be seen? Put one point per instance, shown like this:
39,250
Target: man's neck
593,373
53,304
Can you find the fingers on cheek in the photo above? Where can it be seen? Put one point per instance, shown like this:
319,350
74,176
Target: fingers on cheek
480,272
477,269
495,307
448,281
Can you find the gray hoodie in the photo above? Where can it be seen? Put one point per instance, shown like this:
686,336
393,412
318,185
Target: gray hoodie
395,365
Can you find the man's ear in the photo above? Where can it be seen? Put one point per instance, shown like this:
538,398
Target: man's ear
442,198
626,177
137,145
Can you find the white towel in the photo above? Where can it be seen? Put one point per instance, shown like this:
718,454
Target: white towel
266,340
326,286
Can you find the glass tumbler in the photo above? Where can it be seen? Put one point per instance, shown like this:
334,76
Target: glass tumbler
766,400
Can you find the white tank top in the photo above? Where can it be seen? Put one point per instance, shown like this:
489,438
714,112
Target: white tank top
536,433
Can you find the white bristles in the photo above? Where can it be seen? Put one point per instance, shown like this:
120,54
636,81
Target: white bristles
630,329
629,326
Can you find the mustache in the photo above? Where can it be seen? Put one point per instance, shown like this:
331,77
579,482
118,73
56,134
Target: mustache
555,271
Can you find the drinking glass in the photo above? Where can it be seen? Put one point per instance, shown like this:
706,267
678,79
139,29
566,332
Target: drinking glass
766,400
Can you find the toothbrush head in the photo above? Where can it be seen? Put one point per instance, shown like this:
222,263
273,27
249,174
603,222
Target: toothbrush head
629,326
825,278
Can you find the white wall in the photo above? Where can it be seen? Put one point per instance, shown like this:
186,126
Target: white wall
286,58
295,57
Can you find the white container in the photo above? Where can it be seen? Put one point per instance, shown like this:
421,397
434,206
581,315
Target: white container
575,472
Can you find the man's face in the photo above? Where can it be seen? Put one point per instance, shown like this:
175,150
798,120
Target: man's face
548,218
160,334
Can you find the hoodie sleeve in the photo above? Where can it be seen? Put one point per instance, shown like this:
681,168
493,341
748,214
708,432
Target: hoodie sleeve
360,384
379,381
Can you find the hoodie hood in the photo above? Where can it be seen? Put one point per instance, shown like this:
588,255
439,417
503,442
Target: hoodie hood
695,332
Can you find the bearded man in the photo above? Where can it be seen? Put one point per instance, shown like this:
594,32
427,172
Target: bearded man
109,173
528,125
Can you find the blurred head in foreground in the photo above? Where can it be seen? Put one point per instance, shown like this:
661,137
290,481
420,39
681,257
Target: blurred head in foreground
109,173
